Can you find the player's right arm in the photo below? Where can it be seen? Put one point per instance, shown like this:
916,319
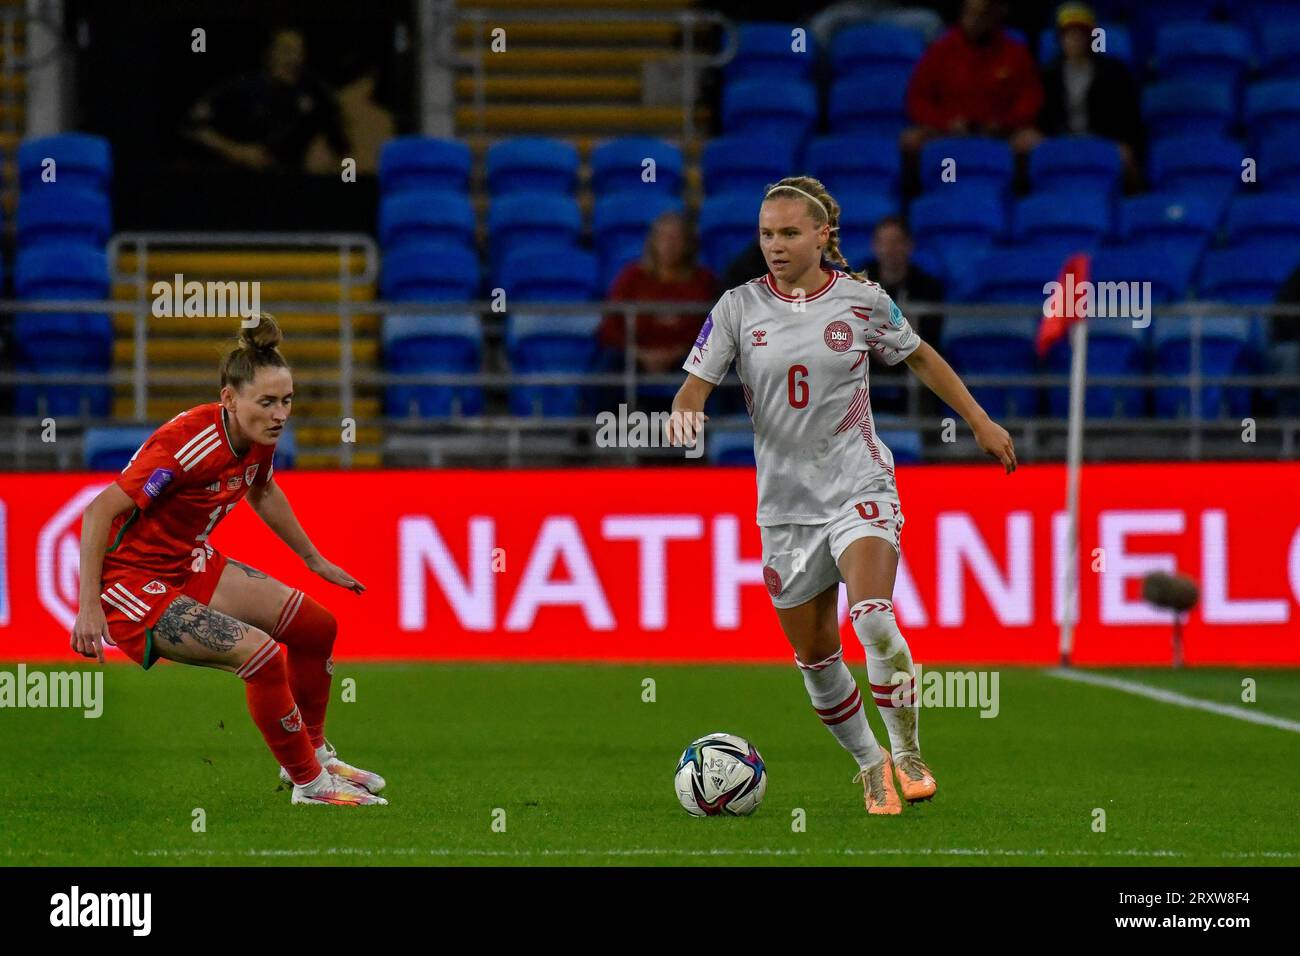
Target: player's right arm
91,626
707,363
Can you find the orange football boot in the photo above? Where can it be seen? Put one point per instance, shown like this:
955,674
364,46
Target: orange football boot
878,787
914,778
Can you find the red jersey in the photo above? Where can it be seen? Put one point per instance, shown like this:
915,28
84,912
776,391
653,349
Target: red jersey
184,479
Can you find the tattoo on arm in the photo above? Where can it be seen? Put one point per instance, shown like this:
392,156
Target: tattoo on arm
211,629
251,572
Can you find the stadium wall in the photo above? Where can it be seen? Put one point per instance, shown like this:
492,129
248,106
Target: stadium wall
664,564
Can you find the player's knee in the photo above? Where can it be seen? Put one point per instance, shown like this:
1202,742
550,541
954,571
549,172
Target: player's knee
256,652
874,621
309,626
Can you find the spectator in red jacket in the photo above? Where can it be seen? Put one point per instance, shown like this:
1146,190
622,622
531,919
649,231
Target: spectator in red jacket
975,79
667,270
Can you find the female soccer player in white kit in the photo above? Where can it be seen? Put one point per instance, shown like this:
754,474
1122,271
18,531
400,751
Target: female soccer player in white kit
828,506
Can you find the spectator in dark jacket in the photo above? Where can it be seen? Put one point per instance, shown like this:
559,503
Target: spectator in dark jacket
1087,92
975,79
892,267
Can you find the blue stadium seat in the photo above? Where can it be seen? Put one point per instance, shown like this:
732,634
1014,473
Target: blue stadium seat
449,344
1262,18
620,224
852,162
1002,346
110,448
1273,110
431,271
765,51
532,163
749,107
550,274
532,219
1187,108
62,341
955,226
1119,44
80,160
1279,51
863,48
445,217
619,165
66,214
727,225
1226,349
980,163
548,342
1007,274
1166,267
859,213
1147,17
1114,348
424,163
745,165
1279,164
1065,223
1183,224
874,105
730,447
1263,221
1197,166
1070,163
1204,52
1245,276
286,449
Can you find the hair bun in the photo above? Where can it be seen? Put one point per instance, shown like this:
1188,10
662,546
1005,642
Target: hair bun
264,334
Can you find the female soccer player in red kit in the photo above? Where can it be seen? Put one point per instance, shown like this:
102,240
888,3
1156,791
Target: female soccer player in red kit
828,506
153,585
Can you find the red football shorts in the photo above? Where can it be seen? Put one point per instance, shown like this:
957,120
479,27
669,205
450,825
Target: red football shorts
133,599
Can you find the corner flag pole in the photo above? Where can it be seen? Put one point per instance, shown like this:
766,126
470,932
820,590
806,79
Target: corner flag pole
1074,461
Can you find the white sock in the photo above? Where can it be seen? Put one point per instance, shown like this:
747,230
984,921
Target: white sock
835,697
890,671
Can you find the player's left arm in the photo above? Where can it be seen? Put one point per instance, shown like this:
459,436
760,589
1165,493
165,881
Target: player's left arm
272,506
932,369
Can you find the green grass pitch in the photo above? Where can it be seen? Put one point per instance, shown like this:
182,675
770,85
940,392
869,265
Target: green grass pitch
582,768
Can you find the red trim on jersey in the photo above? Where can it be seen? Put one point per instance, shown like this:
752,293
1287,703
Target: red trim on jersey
771,287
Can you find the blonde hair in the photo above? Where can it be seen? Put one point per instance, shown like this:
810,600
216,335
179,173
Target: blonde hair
257,346
650,256
823,209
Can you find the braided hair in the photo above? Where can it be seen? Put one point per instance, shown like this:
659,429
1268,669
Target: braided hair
823,209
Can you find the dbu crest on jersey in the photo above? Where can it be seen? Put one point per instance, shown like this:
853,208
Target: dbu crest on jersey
895,315
293,722
772,579
838,336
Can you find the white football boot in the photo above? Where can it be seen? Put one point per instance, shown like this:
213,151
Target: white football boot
329,789
329,759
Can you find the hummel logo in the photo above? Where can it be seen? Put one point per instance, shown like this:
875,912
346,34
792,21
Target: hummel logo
759,337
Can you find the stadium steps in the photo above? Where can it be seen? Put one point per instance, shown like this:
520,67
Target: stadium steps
569,79
195,345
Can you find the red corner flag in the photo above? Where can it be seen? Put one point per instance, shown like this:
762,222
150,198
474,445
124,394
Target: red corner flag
1063,307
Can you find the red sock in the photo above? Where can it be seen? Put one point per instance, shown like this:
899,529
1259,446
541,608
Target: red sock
271,703
308,630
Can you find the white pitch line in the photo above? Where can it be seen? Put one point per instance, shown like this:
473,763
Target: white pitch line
1178,700
655,851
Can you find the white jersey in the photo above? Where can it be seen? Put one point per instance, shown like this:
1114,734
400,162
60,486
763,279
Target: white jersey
803,370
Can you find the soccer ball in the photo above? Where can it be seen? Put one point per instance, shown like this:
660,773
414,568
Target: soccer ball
721,774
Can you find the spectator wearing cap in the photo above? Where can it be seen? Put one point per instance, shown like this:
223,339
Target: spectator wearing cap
975,79
1089,93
